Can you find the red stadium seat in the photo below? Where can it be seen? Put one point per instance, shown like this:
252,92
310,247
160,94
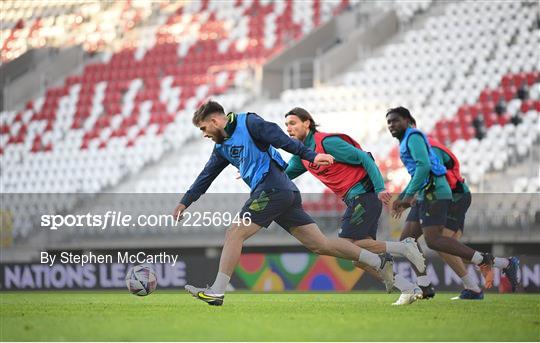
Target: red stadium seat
468,133
527,105
490,119
497,94
510,93
536,105
507,81
519,79
503,119
487,108
485,96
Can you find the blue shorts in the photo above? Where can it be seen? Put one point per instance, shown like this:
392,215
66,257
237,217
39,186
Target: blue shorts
361,219
414,213
455,213
282,206
433,212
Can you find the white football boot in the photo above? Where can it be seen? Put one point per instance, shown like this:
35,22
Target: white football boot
413,254
408,297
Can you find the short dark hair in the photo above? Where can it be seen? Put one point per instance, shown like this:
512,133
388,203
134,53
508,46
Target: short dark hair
303,115
205,110
403,113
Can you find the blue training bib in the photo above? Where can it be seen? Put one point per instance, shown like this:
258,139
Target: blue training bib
242,152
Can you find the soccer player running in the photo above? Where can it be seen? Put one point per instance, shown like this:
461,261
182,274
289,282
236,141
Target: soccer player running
461,200
357,180
439,209
249,143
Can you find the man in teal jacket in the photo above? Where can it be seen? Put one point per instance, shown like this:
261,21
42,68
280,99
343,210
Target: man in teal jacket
434,195
357,180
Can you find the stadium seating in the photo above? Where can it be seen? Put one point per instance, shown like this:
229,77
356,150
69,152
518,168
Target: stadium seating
382,84
405,10
142,92
107,123
97,25
527,185
437,76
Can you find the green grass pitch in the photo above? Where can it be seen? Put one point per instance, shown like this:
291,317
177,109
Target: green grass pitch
168,316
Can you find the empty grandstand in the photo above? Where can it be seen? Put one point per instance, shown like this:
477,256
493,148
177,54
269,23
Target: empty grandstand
120,121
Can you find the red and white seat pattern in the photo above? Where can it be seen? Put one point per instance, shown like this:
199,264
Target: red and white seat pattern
429,81
119,115
123,113
458,61
97,25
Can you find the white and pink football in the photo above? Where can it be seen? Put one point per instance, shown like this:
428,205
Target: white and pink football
141,280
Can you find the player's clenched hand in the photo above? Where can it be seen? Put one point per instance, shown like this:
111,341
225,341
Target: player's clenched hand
398,207
404,203
396,214
323,160
401,205
178,212
385,197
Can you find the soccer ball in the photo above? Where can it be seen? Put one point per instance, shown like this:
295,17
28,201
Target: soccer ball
141,280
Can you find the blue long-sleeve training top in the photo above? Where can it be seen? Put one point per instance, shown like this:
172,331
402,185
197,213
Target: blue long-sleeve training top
263,134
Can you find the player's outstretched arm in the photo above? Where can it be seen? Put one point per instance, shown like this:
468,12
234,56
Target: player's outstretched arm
267,133
295,168
212,169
